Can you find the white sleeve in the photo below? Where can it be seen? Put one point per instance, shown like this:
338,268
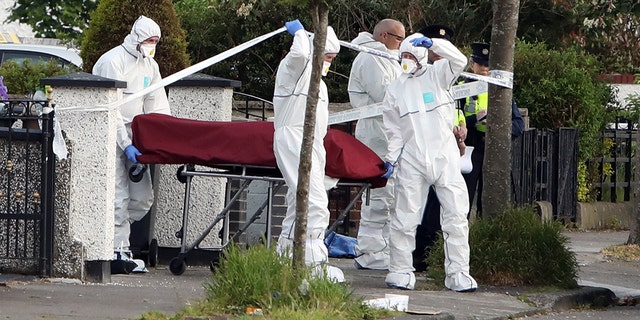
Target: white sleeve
452,64
391,120
122,136
300,51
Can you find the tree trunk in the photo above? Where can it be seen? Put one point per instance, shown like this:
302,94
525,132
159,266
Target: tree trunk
320,18
496,196
634,230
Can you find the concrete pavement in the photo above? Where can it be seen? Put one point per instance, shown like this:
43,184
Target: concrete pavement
128,296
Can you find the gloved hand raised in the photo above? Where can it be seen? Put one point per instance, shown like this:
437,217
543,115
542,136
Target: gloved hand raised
388,167
131,151
293,26
422,42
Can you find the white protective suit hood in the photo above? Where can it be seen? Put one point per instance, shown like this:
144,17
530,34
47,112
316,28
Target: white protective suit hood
333,44
421,53
143,29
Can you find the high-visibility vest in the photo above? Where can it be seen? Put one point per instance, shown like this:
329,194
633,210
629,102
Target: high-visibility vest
473,106
460,119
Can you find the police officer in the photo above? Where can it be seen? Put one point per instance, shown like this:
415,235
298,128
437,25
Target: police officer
475,109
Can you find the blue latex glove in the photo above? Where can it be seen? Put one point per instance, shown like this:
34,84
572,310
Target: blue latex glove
422,42
293,26
131,151
388,167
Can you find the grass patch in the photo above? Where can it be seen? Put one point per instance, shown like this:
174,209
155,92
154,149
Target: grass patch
513,249
625,252
259,278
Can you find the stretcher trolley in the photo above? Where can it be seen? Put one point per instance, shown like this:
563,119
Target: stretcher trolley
241,151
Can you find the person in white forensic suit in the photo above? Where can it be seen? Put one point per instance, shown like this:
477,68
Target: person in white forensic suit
368,80
132,62
289,103
418,116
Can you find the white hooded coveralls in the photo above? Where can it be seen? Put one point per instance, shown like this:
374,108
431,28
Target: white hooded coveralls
370,75
126,63
289,104
419,117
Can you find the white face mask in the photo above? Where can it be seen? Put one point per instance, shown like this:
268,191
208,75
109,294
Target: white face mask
148,50
409,66
325,68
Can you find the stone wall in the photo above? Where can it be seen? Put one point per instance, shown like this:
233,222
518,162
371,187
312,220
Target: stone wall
604,215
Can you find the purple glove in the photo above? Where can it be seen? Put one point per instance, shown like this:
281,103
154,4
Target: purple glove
131,151
388,167
422,42
293,26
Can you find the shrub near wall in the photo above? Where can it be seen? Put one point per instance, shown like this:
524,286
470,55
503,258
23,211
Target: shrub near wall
23,78
514,248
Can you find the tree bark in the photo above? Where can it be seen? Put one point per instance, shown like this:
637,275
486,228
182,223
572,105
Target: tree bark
320,18
496,169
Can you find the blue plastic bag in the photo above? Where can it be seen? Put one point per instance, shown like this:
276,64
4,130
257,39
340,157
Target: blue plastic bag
340,246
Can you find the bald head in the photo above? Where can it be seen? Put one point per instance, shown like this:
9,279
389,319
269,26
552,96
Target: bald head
390,32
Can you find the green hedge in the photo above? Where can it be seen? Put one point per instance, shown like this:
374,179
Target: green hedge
23,78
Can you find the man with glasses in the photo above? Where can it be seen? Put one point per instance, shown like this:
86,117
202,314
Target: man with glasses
368,82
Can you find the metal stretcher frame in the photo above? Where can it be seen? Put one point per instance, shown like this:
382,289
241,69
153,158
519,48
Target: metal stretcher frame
246,174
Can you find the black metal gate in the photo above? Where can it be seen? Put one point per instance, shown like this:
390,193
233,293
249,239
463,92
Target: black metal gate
544,168
616,183
27,176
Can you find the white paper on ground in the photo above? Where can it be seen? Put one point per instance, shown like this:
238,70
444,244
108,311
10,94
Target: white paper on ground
399,302
394,302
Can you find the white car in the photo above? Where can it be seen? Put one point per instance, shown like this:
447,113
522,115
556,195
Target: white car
35,52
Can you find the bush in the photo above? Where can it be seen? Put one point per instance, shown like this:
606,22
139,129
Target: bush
515,248
563,89
23,78
259,277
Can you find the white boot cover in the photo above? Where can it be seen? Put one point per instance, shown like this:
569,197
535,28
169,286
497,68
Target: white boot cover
406,281
316,256
461,282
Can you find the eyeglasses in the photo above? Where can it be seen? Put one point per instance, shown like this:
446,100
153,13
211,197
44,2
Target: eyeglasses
395,35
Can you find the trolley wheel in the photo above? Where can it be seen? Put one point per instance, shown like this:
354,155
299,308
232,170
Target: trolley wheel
136,172
177,266
153,253
181,177
213,265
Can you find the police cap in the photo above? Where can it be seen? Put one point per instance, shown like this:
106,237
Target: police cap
437,31
480,53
